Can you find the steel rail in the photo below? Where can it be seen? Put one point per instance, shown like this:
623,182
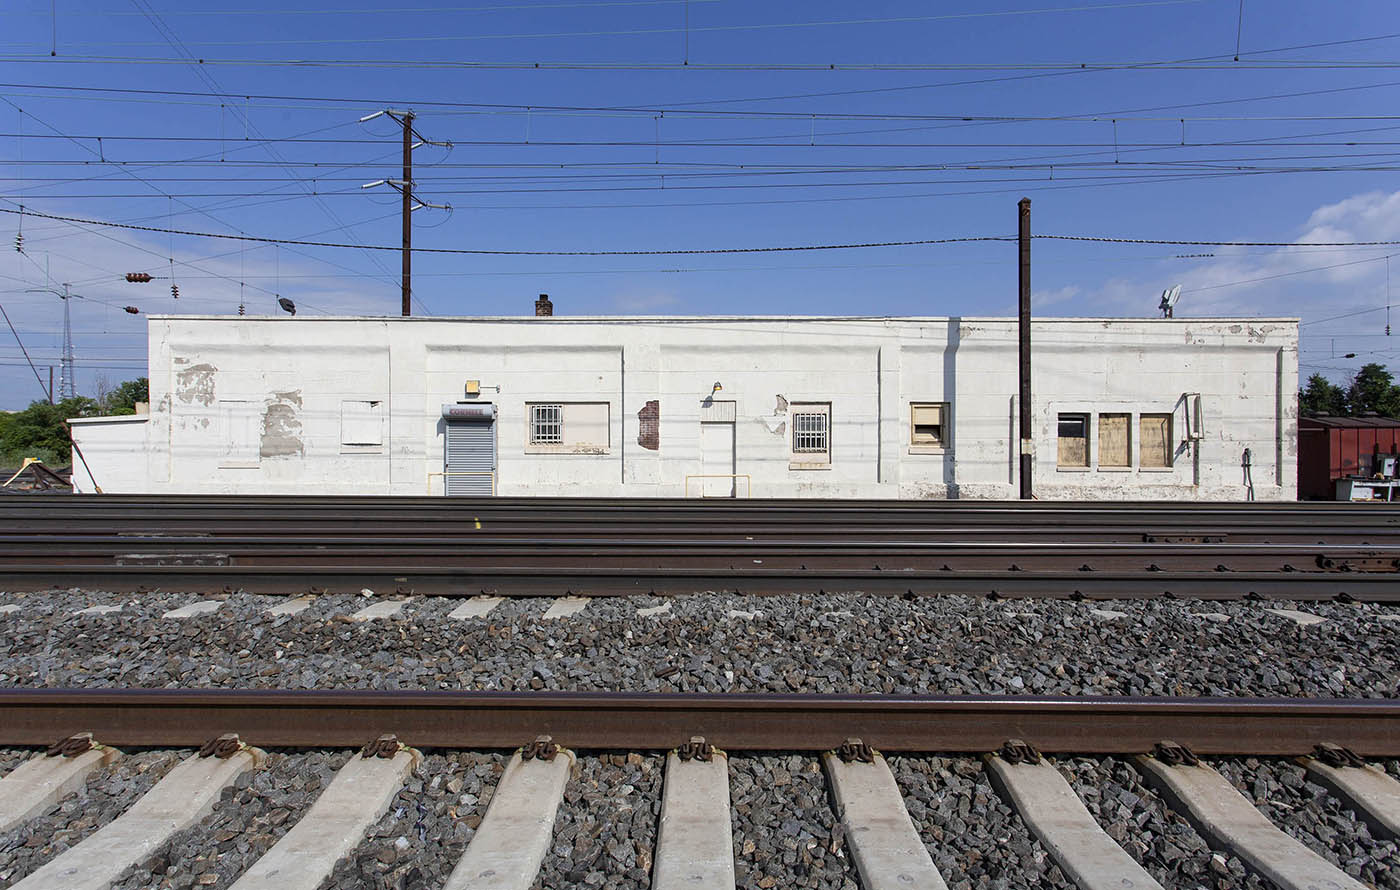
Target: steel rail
589,578
632,721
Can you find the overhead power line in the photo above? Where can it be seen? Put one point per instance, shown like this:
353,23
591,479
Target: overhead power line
921,242
478,65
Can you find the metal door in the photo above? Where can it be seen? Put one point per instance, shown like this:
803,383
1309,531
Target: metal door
470,462
717,459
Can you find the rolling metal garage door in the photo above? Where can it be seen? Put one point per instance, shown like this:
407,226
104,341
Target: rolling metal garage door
470,460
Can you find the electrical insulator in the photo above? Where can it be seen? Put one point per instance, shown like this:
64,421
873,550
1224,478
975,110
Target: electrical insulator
175,291
132,309
19,242
242,310
138,277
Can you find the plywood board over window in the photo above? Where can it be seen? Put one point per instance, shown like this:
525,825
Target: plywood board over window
1114,440
1073,441
1155,440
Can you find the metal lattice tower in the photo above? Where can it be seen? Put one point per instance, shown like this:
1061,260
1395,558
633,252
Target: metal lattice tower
67,385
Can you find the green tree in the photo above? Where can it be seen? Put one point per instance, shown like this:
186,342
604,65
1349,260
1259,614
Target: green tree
39,430
1321,397
123,399
1373,389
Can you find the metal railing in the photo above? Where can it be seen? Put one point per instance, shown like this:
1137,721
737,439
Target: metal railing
491,473
748,484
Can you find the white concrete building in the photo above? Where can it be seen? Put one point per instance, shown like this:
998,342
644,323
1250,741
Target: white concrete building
672,407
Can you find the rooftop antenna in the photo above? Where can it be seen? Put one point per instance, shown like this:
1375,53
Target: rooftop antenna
1169,298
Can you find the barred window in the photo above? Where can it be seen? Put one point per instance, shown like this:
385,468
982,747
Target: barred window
809,433
546,424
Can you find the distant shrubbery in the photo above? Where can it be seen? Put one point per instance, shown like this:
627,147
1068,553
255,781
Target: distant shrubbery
1372,391
39,430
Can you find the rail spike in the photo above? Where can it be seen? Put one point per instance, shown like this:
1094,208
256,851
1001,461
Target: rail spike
542,748
222,746
1172,754
856,751
1338,756
696,749
1018,751
72,746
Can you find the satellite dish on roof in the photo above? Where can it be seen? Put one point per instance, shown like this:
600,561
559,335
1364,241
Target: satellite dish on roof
1169,298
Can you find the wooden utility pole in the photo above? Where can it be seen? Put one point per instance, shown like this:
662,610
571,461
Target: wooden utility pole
1027,444
407,121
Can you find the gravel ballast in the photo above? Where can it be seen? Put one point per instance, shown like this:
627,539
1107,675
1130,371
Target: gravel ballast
417,842
786,833
605,831
1283,793
249,817
945,645
108,793
1162,841
976,840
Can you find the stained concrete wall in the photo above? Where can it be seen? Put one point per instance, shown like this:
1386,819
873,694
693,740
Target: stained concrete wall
255,405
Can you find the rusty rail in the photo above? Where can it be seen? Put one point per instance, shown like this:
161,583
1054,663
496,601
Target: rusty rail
1107,725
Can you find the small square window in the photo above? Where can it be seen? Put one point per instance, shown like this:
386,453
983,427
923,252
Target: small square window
809,433
546,424
811,436
1073,440
926,424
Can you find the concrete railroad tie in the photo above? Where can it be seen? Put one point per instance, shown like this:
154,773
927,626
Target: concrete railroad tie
509,847
306,855
476,607
186,794
1056,815
1226,819
1372,794
886,847
566,607
42,781
695,847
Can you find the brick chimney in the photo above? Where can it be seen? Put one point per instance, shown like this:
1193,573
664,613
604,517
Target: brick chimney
543,308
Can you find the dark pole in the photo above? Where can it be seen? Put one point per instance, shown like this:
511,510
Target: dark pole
50,384
1024,328
407,190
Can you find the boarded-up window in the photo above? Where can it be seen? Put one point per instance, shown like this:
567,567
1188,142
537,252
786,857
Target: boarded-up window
926,421
1074,441
1155,440
649,425
362,422
568,427
1113,440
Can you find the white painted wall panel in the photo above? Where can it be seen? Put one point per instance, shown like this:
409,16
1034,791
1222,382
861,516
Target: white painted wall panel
293,377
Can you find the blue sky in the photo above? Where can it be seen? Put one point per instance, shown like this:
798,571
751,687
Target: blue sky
653,124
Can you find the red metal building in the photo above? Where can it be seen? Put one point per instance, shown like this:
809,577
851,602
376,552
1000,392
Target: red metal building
1330,448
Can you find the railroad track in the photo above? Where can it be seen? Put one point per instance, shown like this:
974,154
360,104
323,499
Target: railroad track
553,546
1170,742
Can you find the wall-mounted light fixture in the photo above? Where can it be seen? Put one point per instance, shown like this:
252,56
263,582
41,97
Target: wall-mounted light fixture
716,388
